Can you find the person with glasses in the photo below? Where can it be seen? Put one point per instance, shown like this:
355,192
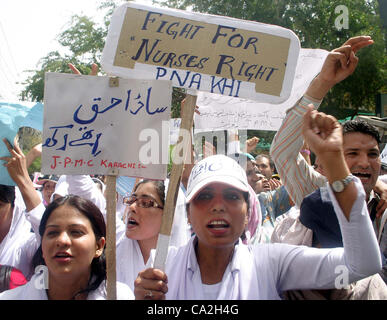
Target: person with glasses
138,235
145,211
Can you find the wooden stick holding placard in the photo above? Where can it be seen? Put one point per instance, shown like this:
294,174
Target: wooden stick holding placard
111,235
173,186
111,202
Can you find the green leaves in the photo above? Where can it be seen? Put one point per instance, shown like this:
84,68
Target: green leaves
315,23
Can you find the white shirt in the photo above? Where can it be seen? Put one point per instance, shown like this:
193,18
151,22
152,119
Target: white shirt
20,243
263,271
32,290
129,259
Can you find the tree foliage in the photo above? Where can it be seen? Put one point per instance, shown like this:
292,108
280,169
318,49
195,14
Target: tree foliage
83,40
313,21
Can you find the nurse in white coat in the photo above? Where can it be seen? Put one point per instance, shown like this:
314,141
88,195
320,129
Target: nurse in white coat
215,264
71,255
138,235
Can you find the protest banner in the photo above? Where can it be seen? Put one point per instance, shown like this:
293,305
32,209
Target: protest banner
202,52
87,122
199,52
219,112
98,125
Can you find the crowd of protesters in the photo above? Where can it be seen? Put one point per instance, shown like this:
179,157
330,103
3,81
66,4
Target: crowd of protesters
260,226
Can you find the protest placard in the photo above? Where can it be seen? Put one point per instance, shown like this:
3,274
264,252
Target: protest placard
108,126
219,112
202,52
92,128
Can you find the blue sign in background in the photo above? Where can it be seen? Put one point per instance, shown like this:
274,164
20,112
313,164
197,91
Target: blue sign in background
12,117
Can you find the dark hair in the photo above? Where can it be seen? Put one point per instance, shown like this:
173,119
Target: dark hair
7,194
90,211
159,185
361,126
98,182
271,162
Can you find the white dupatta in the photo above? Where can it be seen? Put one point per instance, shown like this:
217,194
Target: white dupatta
184,279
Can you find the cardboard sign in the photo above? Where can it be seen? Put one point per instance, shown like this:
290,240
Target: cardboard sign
223,113
93,128
202,52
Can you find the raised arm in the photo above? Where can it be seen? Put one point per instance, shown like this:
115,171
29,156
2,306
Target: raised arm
17,168
339,64
324,136
313,268
34,153
299,178
84,186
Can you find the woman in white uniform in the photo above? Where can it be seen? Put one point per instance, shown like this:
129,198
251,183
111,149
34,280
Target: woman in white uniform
71,255
215,264
138,236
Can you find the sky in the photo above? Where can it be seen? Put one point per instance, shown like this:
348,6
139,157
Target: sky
28,32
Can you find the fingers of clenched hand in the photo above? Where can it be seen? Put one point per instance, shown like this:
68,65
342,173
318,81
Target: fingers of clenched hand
322,132
252,141
320,123
94,69
274,184
342,54
311,126
277,183
151,284
16,159
15,152
93,72
346,56
74,69
359,42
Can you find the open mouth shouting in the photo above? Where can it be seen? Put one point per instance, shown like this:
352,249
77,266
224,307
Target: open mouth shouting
363,176
132,223
63,257
218,226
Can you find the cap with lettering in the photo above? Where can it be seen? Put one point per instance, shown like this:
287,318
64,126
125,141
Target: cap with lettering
217,168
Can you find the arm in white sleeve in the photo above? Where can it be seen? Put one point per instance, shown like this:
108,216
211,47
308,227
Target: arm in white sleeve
34,217
359,240
313,268
299,178
84,186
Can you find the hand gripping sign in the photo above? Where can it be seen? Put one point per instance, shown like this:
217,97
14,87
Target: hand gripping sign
202,52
